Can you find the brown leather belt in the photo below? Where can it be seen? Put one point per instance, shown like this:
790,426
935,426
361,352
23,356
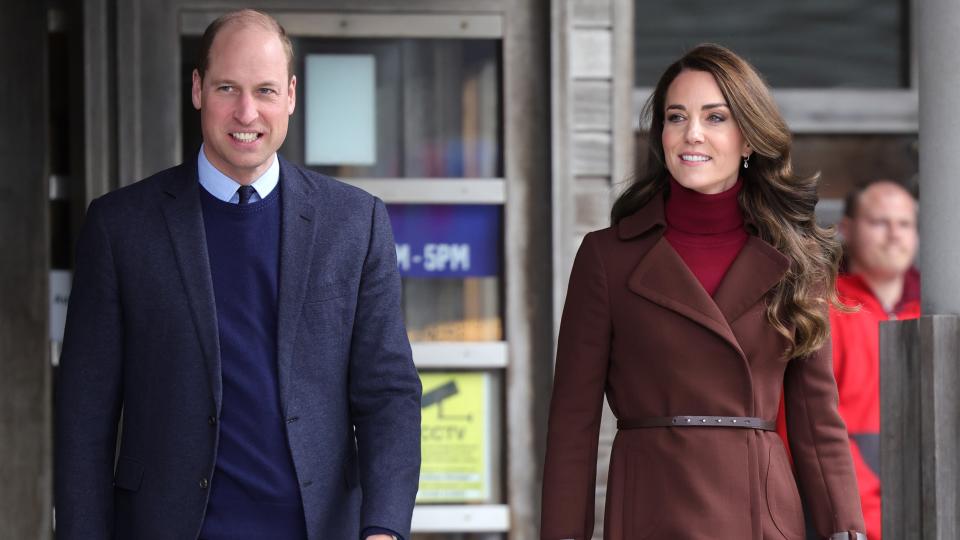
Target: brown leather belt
744,422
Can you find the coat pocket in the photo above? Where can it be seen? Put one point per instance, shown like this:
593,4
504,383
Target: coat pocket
783,500
128,475
645,492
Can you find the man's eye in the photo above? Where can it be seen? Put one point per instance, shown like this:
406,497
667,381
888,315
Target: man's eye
225,88
268,91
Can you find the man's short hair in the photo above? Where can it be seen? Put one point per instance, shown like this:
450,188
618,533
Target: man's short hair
245,17
852,201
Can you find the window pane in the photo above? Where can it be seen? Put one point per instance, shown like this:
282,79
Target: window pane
342,93
809,44
437,104
449,257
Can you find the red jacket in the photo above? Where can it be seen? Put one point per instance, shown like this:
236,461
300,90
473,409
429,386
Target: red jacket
856,366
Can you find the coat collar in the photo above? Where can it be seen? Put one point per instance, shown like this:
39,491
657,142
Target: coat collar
662,277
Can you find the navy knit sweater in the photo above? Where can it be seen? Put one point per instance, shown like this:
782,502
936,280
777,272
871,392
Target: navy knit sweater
254,492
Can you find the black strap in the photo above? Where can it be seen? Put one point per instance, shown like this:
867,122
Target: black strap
744,422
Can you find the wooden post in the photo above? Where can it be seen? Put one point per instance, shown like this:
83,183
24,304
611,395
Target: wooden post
920,433
900,429
920,360
25,407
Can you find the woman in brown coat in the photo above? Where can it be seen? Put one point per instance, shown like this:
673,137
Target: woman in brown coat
704,300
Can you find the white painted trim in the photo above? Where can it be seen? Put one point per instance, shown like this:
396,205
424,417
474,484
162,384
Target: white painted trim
434,190
836,110
363,25
460,354
461,518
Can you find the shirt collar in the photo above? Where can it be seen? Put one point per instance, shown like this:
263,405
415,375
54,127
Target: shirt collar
224,188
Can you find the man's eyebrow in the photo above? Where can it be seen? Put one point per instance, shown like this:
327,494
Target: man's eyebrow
230,82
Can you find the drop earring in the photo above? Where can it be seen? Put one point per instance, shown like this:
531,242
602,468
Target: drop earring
746,165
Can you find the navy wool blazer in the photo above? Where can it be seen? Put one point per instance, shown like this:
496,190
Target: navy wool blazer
142,340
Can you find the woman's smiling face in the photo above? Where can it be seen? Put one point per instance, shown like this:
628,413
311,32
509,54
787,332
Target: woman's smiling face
702,143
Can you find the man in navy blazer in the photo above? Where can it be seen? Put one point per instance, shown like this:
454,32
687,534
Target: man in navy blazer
235,363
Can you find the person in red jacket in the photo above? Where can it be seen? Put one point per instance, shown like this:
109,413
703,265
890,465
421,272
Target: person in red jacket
879,281
880,234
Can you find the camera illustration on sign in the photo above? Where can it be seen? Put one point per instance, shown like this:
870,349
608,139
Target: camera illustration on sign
455,438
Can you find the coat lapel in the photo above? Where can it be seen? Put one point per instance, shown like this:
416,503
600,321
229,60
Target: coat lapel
298,227
662,277
184,217
756,269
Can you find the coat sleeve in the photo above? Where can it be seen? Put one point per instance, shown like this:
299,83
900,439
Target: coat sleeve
583,349
820,445
88,394
384,389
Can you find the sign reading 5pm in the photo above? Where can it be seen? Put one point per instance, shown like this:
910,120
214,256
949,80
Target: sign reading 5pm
435,240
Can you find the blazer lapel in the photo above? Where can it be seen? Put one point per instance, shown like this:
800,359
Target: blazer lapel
184,216
300,221
756,269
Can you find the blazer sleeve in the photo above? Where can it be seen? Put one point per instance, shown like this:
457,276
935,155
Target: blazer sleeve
583,349
384,389
820,445
88,395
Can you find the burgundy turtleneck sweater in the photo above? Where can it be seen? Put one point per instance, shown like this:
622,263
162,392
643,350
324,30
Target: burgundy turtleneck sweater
706,230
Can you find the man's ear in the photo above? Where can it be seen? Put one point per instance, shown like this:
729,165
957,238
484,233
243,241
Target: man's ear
292,95
196,92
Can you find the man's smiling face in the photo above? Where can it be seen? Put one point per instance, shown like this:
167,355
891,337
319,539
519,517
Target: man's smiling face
245,100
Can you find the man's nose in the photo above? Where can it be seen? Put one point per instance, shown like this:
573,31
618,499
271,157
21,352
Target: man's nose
246,111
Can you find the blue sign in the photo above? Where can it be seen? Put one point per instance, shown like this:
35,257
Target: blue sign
439,240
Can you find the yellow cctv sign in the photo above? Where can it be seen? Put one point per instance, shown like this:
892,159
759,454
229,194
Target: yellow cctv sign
454,433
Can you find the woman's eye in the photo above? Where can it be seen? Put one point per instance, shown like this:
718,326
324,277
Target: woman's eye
716,118
675,117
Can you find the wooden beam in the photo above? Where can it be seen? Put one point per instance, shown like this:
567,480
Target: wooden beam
25,402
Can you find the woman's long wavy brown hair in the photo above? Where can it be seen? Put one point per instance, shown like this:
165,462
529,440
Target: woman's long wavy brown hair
778,204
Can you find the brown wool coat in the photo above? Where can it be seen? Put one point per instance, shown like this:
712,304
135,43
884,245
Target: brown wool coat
638,326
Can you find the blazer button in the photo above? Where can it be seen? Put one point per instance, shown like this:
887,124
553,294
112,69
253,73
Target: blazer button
204,483
212,420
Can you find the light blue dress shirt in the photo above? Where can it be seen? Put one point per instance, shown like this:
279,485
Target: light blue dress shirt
225,188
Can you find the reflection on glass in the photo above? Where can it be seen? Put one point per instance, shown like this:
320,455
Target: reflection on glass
809,44
437,105
341,109
449,309
449,257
